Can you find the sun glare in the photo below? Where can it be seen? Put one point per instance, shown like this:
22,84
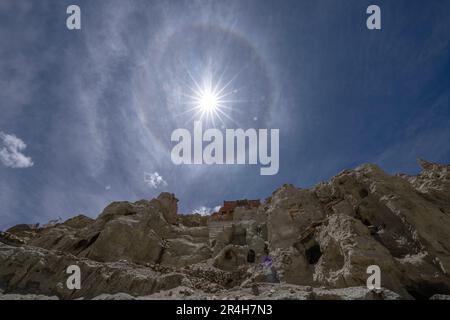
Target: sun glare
210,99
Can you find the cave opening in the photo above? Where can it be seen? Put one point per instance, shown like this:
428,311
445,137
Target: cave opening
251,256
363,193
229,255
313,254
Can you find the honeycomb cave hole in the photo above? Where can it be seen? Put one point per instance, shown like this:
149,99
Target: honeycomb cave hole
313,254
229,255
251,256
363,193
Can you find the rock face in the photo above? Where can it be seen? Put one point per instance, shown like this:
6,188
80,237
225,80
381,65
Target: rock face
298,244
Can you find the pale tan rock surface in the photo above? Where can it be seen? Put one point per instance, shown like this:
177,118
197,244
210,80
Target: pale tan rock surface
320,242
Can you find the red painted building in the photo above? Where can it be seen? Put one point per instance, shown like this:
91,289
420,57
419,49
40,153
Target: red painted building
227,210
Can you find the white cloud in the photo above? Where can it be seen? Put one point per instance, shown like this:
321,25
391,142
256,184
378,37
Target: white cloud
10,152
205,211
154,180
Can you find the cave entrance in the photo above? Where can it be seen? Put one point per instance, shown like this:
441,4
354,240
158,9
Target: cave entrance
363,193
251,256
313,254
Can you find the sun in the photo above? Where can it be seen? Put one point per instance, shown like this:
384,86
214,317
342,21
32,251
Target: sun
209,99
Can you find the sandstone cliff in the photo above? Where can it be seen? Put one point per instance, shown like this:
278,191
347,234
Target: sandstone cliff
298,244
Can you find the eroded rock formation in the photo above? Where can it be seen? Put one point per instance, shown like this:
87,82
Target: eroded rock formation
299,243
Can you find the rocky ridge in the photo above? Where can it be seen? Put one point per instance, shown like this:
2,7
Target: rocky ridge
320,242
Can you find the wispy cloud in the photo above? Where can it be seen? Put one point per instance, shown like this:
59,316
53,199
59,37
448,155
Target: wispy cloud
154,180
10,152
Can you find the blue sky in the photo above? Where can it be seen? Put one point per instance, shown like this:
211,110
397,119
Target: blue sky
95,107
